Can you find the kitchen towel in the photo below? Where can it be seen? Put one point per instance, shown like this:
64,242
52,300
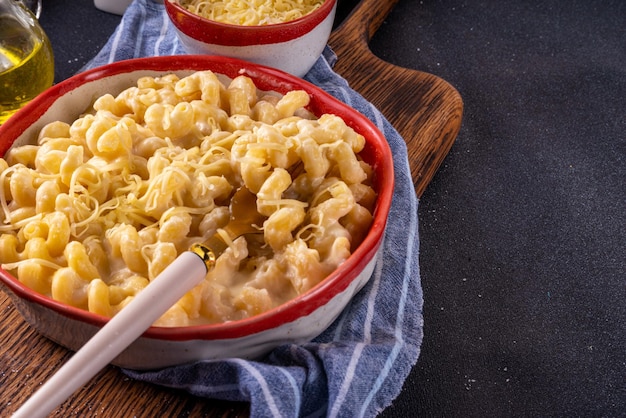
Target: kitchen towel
359,364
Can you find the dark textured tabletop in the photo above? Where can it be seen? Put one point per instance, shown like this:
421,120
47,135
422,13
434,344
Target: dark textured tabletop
523,231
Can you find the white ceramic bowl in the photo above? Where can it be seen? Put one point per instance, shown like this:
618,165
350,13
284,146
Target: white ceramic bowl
296,321
291,46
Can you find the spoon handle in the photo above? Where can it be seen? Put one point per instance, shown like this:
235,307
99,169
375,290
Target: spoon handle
178,278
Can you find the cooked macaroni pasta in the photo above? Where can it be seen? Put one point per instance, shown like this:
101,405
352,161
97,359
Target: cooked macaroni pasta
251,12
96,209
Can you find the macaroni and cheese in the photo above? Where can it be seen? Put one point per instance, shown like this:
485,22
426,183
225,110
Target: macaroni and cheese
96,209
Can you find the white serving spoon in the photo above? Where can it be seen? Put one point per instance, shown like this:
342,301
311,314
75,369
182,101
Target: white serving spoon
188,270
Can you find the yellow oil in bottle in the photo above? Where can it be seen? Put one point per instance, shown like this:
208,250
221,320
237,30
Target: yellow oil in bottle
26,63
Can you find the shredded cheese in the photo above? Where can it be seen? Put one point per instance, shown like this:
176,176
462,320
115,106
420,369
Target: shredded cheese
251,12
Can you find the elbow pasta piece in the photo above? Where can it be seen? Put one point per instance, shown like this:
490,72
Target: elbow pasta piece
280,149
175,228
19,215
216,306
227,265
274,275
110,104
33,274
36,248
34,229
97,255
208,190
94,136
55,129
304,268
70,288
350,170
254,170
217,218
114,143
149,235
245,85
168,121
364,195
79,128
176,316
4,170
99,207
130,287
58,232
208,118
24,155
291,102
91,181
238,103
191,303
240,123
203,86
357,223
73,159
50,154
126,242
165,82
253,300
333,200
123,293
98,294
270,194
46,196
264,111
278,228
22,186
161,255
334,128
325,215
78,260
146,147
9,248
339,251
315,162
166,191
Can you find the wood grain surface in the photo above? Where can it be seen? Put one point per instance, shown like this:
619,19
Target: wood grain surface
425,110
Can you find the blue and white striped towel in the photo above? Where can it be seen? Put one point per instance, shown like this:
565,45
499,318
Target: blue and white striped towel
359,364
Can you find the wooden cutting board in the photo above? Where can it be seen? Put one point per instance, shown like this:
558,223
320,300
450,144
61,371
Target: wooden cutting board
423,108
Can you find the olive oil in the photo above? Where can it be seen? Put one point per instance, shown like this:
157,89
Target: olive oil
26,62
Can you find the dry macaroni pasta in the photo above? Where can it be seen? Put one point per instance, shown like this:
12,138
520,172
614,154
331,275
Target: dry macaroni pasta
251,12
98,208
